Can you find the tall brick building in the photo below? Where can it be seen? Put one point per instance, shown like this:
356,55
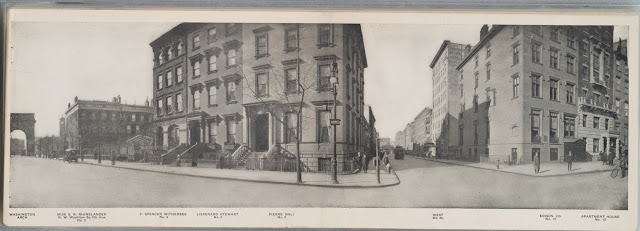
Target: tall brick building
621,92
547,89
102,127
243,83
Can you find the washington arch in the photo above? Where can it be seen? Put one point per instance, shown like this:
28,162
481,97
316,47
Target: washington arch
25,122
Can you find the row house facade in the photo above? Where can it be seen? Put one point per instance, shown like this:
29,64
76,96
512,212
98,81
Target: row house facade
102,127
243,84
537,89
417,134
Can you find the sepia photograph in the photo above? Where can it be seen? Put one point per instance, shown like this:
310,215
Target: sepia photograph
221,114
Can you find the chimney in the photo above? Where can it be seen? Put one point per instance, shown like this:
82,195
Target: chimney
484,31
467,49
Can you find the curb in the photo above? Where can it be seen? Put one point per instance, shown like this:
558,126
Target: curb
254,181
517,173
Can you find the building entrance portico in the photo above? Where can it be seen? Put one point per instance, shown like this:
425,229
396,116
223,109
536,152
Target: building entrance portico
262,126
261,132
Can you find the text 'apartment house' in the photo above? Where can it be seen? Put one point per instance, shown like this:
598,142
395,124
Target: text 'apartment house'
528,89
245,82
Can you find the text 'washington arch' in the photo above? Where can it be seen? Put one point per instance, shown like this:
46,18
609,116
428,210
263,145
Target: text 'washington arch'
25,122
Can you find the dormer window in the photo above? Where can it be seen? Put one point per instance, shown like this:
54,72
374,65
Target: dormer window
180,48
196,42
170,53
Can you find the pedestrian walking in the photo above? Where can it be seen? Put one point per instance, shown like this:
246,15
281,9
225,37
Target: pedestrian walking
536,162
387,164
612,156
365,163
95,155
569,161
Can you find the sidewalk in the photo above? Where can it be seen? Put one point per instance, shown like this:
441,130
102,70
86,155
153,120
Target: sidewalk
360,180
546,169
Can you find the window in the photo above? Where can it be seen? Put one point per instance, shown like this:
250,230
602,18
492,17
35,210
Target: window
323,126
596,145
516,85
553,154
196,99
231,130
291,39
475,132
213,63
536,30
554,34
196,69
553,58
231,58
488,48
626,108
160,58
516,30
159,107
516,54
178,74
213,132
535,85
596,99
475,59
596,66
569,126
159,82
129,129
231,28
461,90
212,95
212,34
571,42
535,126
536,50
606,60
475,103
169,78
231,92
180,49
325,35
571,63
461,75
584,48
324,74
570,93
179,102
584,121
488,71
292,79
169,53
262,48
618,106
475,76
196,42
553,124
553,89
616,127
291,127
585,69
262,87
606,124
169,106
596,122
461,135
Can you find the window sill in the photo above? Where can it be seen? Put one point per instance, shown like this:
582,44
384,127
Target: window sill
537,63
536,97
195,77
211,72
262,96
179,82
196,109
232,102
213,105
513,65
262,56
321,45
555,68
291,49
552,100
232,66
196,48
292,92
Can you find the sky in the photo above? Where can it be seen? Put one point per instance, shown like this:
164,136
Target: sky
54,62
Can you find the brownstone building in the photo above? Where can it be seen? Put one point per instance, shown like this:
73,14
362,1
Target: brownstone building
243,84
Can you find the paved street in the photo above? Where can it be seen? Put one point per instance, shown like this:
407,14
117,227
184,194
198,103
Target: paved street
52,183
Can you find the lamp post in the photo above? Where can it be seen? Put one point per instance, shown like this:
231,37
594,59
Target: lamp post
335,122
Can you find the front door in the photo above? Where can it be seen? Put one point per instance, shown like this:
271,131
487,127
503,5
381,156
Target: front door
194,132
262,133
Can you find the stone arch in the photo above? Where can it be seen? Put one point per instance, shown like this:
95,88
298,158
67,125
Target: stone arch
26,123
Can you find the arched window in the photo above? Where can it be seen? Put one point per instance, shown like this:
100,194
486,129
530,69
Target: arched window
170,53
212,95
180,48
160,58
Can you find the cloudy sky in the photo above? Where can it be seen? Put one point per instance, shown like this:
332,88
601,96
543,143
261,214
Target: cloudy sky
54,62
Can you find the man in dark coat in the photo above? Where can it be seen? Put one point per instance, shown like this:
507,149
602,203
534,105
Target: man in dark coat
536,162
603,158
365,163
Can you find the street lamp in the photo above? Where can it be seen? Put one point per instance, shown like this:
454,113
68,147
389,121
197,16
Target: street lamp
335,122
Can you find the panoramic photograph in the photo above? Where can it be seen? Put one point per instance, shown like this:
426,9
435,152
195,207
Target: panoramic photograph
296,115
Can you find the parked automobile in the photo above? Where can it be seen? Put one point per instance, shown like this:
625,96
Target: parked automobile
71,155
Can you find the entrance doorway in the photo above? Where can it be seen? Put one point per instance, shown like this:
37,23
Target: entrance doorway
262,133
194,132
